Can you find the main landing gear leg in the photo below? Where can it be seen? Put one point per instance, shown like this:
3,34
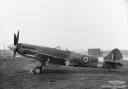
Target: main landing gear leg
38,69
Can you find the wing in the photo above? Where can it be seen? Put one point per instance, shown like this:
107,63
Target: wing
42,57
112,64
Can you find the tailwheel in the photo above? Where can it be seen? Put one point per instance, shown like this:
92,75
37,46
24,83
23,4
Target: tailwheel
37,70
109,69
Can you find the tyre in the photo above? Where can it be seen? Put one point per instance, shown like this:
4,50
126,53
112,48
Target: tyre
37,70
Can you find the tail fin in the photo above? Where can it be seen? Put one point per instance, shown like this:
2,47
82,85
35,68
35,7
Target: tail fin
114,55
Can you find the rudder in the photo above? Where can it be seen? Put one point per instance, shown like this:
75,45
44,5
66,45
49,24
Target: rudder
114,55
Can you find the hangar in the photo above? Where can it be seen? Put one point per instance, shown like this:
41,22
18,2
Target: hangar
95,52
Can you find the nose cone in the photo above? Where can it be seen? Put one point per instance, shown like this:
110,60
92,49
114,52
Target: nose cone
12,47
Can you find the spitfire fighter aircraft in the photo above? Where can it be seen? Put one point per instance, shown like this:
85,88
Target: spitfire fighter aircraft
47,55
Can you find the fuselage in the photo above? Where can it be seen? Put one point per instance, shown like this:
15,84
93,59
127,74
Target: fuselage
64,57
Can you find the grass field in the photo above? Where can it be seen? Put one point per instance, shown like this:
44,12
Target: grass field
16,75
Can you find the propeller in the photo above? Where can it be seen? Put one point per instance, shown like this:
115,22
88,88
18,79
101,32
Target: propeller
14,46
16,39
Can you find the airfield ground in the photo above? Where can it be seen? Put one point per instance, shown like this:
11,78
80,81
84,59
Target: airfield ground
16,75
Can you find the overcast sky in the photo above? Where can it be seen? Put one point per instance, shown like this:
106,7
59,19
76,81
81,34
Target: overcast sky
72,24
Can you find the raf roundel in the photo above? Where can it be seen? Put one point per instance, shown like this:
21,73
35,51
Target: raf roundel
85,59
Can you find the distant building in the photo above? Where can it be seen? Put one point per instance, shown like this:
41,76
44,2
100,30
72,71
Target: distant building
82,51
95,52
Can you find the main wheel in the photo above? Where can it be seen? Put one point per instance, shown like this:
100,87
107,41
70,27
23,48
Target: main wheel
37,70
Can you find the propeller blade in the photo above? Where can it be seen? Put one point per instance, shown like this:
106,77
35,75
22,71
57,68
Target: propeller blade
17,36
15,39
